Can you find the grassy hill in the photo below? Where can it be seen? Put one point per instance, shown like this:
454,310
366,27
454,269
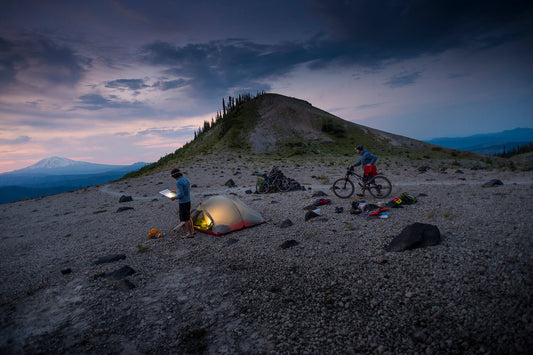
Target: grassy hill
280,127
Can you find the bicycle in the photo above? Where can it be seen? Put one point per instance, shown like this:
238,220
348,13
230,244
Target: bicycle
378,186
274,181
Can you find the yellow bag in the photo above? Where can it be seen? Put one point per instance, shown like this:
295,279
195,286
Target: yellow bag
155,233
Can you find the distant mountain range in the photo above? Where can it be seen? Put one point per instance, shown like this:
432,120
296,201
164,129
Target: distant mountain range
488,144
56,175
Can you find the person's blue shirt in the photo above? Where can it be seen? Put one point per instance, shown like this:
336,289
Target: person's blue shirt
183,189
366,158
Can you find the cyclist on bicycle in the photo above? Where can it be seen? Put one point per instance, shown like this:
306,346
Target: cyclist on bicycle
367,160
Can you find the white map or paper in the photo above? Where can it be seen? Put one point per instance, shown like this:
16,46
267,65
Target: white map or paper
168,193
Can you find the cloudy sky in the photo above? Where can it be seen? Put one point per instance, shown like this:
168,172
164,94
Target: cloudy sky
121,81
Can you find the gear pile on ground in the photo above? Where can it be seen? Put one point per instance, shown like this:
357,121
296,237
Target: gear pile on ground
293,184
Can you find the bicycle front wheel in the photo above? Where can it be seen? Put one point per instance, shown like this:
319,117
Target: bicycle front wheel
379,186
262,187
343,188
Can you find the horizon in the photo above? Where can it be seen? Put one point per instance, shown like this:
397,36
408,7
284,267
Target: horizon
151,162
108,81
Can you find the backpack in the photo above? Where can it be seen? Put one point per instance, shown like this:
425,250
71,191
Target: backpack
408,199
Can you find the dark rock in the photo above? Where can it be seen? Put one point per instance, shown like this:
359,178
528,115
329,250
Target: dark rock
125,198
122,209
230,183
458,171
319,194
248,192
289,244
194,185
286,223
424,169
66,271
492,183
121,273
339,209
416,235
310,215
109,259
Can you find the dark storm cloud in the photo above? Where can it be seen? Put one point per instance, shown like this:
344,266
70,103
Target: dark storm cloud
170,84
366,33
403,79
40,59
131,84
215,66
94,102
406,29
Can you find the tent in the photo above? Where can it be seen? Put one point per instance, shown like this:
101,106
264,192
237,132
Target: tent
224,214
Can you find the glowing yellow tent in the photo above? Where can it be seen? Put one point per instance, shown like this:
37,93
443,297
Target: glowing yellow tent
224,214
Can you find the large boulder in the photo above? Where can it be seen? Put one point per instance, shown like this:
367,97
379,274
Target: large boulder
416,235
492,183
125,198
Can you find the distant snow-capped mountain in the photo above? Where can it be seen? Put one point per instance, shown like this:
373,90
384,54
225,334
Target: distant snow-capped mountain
55,175
64,166
55,162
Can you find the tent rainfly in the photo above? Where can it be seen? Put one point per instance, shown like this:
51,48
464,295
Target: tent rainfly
224,214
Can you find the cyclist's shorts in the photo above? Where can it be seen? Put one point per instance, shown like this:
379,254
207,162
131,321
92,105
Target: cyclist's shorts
370,171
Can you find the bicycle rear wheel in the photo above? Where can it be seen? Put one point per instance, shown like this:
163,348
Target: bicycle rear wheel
379,186
343,188
284,184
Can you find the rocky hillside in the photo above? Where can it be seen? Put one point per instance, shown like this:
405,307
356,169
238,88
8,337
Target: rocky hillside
276,126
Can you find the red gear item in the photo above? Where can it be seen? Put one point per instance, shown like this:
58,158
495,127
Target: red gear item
370,170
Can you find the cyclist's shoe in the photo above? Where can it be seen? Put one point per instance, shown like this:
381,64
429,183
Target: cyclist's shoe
360,195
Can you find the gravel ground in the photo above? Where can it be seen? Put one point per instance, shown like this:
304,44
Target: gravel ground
336,291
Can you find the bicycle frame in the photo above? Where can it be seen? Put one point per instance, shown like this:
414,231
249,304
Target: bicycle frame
378,186
355,177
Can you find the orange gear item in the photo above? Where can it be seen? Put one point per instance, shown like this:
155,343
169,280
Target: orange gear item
155,233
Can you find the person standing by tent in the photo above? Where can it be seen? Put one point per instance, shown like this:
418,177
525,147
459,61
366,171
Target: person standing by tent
183,195
367,160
